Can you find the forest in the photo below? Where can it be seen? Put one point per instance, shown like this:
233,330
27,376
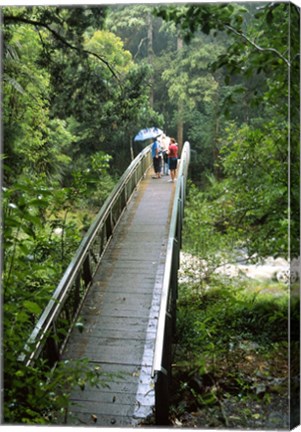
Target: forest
78,83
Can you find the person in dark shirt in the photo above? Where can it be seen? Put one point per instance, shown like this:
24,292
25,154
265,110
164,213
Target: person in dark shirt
157,159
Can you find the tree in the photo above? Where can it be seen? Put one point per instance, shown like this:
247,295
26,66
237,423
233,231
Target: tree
193,87
257,47
149,40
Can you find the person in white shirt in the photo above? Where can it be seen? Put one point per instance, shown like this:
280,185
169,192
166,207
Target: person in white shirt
164,143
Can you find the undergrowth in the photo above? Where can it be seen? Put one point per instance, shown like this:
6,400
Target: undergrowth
231,354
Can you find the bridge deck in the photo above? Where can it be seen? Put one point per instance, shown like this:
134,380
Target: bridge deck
121,310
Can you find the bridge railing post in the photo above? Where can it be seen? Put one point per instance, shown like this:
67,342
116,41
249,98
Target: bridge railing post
162,398
163,378
87,275
174,283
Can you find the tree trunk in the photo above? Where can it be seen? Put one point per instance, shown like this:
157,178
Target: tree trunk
216,168
150,53
131,149
180,127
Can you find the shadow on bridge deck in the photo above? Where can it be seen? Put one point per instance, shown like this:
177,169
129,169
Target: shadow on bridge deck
121,310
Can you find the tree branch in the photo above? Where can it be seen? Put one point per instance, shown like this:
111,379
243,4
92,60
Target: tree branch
14,19
139,46
259,48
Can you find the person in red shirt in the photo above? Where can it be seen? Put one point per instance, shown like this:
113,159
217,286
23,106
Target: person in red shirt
172,159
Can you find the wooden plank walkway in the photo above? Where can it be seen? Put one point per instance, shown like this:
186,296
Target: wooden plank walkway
121,310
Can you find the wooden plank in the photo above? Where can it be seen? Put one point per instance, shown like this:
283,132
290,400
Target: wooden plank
100,407
127,324
111,397
117,388
131,353
86,419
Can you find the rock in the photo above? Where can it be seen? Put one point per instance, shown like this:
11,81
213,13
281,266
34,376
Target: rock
275,420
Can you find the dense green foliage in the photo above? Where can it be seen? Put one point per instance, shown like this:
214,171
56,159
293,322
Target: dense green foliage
231,366
78,84
68,121
234,341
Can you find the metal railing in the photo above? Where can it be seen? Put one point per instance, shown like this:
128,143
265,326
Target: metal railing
161,370
53,328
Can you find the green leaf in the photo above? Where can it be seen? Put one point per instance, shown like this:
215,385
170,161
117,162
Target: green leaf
14,83
32,307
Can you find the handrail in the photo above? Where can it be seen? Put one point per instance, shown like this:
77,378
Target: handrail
53,328
166,319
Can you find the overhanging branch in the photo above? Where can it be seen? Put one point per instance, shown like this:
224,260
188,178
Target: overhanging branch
14,19
259,48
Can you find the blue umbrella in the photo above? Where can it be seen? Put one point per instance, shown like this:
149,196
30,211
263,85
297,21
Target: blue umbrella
148,133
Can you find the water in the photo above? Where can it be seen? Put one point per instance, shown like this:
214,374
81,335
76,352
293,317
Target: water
193,268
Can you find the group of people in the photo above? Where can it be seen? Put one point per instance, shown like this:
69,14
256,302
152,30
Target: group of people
166,151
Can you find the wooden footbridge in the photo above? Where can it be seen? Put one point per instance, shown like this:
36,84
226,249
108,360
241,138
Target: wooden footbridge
116,303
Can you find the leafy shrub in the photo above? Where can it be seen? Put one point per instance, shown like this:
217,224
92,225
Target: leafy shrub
35,257
231,351
226,313
37,395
